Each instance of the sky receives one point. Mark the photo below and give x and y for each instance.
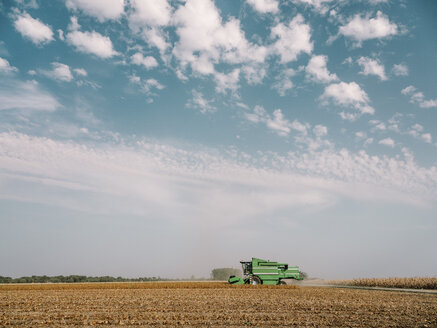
(168, 137)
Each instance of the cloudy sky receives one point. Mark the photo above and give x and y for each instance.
(166, 137)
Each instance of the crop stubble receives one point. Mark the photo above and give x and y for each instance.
(209, 304)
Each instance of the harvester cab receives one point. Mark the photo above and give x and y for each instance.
(258, 271)
(247, 267)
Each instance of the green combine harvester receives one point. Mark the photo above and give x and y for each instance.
(262, 272)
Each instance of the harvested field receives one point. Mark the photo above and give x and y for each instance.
(413, 283)
(209, 304)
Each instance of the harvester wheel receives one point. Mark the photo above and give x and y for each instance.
(256, 280)
(282, 282)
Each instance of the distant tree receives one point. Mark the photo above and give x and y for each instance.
(224, 273)
(5, 280)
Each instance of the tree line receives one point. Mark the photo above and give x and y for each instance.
(73, 278)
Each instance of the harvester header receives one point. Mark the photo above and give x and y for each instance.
(265, 272)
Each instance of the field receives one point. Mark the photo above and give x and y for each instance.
(412, 283)
(209, 305)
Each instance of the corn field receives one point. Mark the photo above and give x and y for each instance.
(412, 283)
(207, 304)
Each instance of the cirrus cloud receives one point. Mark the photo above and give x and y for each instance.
(26, 95)
(157, 179)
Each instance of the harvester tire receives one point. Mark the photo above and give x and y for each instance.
(282, 282)
(256, 280)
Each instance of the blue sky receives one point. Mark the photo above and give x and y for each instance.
(194, 134)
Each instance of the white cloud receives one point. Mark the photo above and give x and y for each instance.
(254, 73)
(320, 6)
(226, 82)
(413, 133)
(387, 142)
(74, 24)
(91, 43)
(317, 71)
(5, 67)
(301, 127)
(401, 124)
(381, 126)
(33, 29)
(408, 90)
(27, 3)
(348, 95)
(264, 6)
(102, 9)
(152, 83)
(360, 135)
(292, 39)
(156, 38)
(348, 61)
(320, 130)
(365, 28)
(276, 122)
(148, 86)
(198, 101)
(378, 125)
(60, 72)
(25, 96)
(368, 141)
(134, 79)
(279, 123)
(204, 40)
(432, 103)
(418, 97)
(283, 81)
(427, 137)
(372, 67)
(400, 70)
(148, 61)
(259, 115)
(148, 19)
(417, 127)
(416, 132)
(61, 35)
(149, 13)
(160, 180)
(80, 71)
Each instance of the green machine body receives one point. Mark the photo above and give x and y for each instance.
(259, 271)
